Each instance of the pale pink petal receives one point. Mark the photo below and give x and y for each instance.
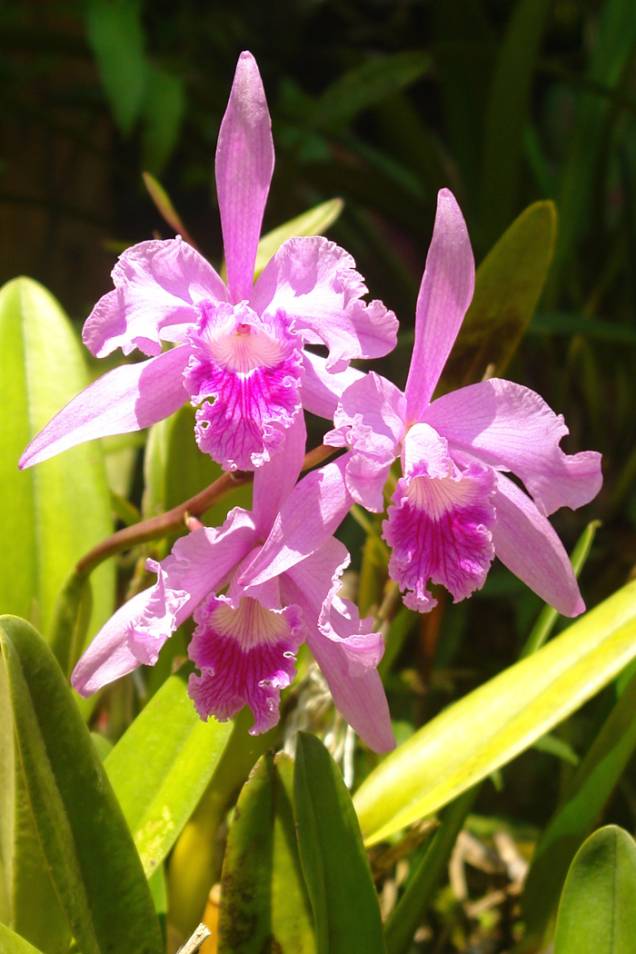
(322, 388)
(314, 281)
(275, 480)
(509, 426)
(246, 654)
(527, 544)
(158, 285)
(251, 367)
(244, 167)
(126, 399)
(309, 516)
(109, 656)
(369, 420)
(445, 294)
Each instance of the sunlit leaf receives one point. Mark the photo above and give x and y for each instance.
(163, 203)
(493, 724)
(597, 910)
(334, 863)
(115, 35)
(61, 508)
(12, 943)
(87, 847)
(161, 766)
(314, 221)
(264, 903)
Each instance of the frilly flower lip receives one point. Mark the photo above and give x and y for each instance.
(444, 524)
(166, 293)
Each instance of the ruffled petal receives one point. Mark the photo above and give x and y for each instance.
(126, 399)
(246, 654)
(252, 367)
(528, 545)
(445, 294)
(315, 282)
(322, 389)
(157, 287)
(244, 167)
(370, 420)
(509, 426)
(439, 524)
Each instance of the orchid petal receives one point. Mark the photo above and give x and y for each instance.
(315, 282)
(444, 296)
(126, 399)
(322, 388)
(309, 516)
(157, 286)
(509, 426)
(244, 167)
(275, 480)
(528, 545)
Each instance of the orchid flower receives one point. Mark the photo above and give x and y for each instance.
(455, 508)
(239, 350)
(246, 639)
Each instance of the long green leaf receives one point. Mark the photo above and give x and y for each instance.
(509, 282)
(86, 844)
(115, 35)
(12, 943)
(161, 766)
(597, 911)
(492, 725)
(335, 866)
(61, 508)
(582, 803)
(264, 903)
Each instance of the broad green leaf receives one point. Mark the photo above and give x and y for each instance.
(586, 794)
(12, 943)
(314, 221)
(87, 846)
(597, 911)
(175, 469)
(264, 903)
(507, 115)
(162, 114)
(115, 35)
(61, 508)
(492, 725)
(508, 284)
(343, 899)
(161, 766)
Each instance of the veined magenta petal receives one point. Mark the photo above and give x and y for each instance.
(528, 545)
(445, 294)
(275, 480)
(125, 399)
(322, 388)
(510, 426)
(308, 517)
(109, 656)
(244, 167)
(315, 282)
(157, 287)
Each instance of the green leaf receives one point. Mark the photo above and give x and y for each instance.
(314, 221)
(162, 115)
(335, 866)
(587, 792)
(115, 35)
(161, 766)
(84, 839)
(264, 903)
(507, 115)
(71, 621)
(12, 943)
(163, 203)
(508, 284)
(492, 725)
(597, 910)
(61, 508)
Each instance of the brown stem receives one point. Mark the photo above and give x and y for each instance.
(163, 524)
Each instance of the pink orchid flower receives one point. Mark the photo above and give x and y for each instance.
(245, 640)
(239, 350)
(454, 508)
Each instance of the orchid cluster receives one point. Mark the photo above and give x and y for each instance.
(241, 353)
